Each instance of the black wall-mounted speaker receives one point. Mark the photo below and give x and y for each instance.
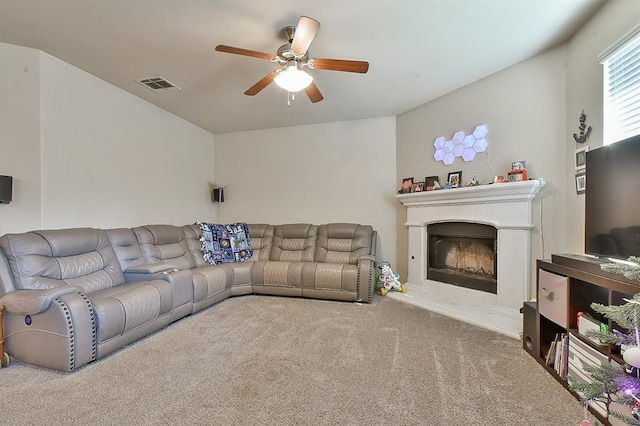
(217, 195)
(529, 332)
(6, 189)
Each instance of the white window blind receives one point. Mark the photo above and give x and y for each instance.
(622, 88)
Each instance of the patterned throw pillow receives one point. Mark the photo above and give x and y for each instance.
(225, 243)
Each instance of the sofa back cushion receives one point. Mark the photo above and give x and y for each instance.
(81, 257)
(343, 242)
(294, 242)
(166, 244)
(261, 240)
(7, 284)
(126, 246)
(192, 234)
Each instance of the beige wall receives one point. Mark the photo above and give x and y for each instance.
(523, 106)
(111, 159)
(86, 153)
(584, 92)
(333, 172)
(532, 110)
(20, 136)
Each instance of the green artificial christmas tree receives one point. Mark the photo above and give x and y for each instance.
(630, 269)
(611, 382)
(604, 387)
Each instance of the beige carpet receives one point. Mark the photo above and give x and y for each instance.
(277, 361)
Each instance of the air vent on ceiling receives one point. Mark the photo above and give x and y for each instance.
(157, 83)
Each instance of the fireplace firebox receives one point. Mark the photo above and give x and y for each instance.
(463, 254)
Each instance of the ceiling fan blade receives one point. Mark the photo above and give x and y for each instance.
(340, 65)
(266, 80)
(304, 34)
(244, 52)
(313, 93)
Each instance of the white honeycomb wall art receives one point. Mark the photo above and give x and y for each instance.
(461, 145)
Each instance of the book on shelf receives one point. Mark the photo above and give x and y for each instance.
(550, 356)
(558, 355)
(565, 357)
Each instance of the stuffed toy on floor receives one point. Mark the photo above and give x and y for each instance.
(388, 280)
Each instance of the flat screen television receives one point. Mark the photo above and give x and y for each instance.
(612, 200)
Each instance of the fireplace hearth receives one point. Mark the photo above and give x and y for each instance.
(463, 254)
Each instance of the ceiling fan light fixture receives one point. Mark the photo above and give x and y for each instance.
(293, 58)
(293, 79)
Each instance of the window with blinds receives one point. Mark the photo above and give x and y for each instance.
(622, 88)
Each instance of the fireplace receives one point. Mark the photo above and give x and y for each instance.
(505, 213)
(463, 254)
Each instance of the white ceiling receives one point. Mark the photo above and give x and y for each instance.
(418, 50)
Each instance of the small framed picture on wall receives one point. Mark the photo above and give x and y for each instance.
(581, 182)
(581, 157)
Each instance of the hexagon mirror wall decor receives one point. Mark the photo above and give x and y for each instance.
(461, 145)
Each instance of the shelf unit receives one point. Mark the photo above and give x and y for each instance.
(587, 283)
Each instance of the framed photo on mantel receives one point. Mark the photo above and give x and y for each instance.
(454, 179)
(407, 185)
(429, 182)
(517, 175)
(417, 187)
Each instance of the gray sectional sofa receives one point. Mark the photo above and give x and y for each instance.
(73, 296)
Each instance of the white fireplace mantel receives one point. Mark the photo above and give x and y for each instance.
(507, 207)
(482, 194)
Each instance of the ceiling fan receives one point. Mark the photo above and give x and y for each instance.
(293, 58)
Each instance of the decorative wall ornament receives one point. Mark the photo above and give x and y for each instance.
(582, 138)
(461, 145)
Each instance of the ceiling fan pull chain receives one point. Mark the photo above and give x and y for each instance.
(291, 96)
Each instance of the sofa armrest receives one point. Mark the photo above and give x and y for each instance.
(374, 242)
(181, 281)
(366, 277)
(169, 275)
(62, 336)
(150, 268)
(31, 302)
(367, 257)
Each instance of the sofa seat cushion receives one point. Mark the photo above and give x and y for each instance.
(335, 276)
(277, 273)
(123, 308)
(242, 273)
(311, 275)
(209, 280)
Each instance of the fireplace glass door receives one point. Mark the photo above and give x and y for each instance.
(463, 254)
